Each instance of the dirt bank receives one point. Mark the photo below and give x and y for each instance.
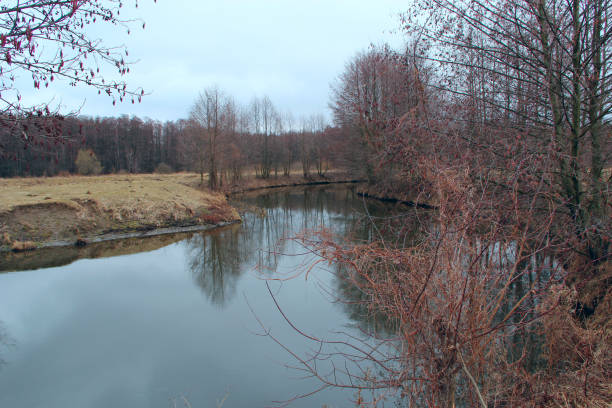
(40, 211)
(79, 210)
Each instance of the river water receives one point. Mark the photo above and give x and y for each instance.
(182, 320)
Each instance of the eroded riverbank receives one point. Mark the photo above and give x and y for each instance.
(65, 211)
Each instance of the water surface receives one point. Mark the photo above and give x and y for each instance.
(145, 329)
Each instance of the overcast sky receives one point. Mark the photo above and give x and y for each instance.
(289, 50)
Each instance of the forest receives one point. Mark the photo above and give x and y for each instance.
(220, 139)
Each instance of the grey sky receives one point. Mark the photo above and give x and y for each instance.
(290, 50)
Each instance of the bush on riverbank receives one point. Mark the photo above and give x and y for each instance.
(484, 308)
(87, 163)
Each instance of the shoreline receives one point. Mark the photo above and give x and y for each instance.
(82, 222)
(297, 184)
(116, 236)
(78, 210)
(204, 218)
(388, 199)
(249, 184)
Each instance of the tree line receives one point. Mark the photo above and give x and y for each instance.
(226, 138)
(220, 139)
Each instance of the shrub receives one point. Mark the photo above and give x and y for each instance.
(163, 168)
(87, 163)
(19, 246)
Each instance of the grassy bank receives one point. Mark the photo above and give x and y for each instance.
(296, 178)
(43, 210)
(40, 211)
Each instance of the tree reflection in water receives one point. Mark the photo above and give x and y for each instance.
(361, 221)
(215, 263)
(217, 260)
(399, 225)
(5, 342)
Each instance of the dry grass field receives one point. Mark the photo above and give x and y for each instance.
(40, 210)
(67, 208)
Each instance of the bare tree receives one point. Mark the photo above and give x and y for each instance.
(49, 41)
(369, 98)
(537, 76)
(207, 114)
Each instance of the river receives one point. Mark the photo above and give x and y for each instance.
(158, 322)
